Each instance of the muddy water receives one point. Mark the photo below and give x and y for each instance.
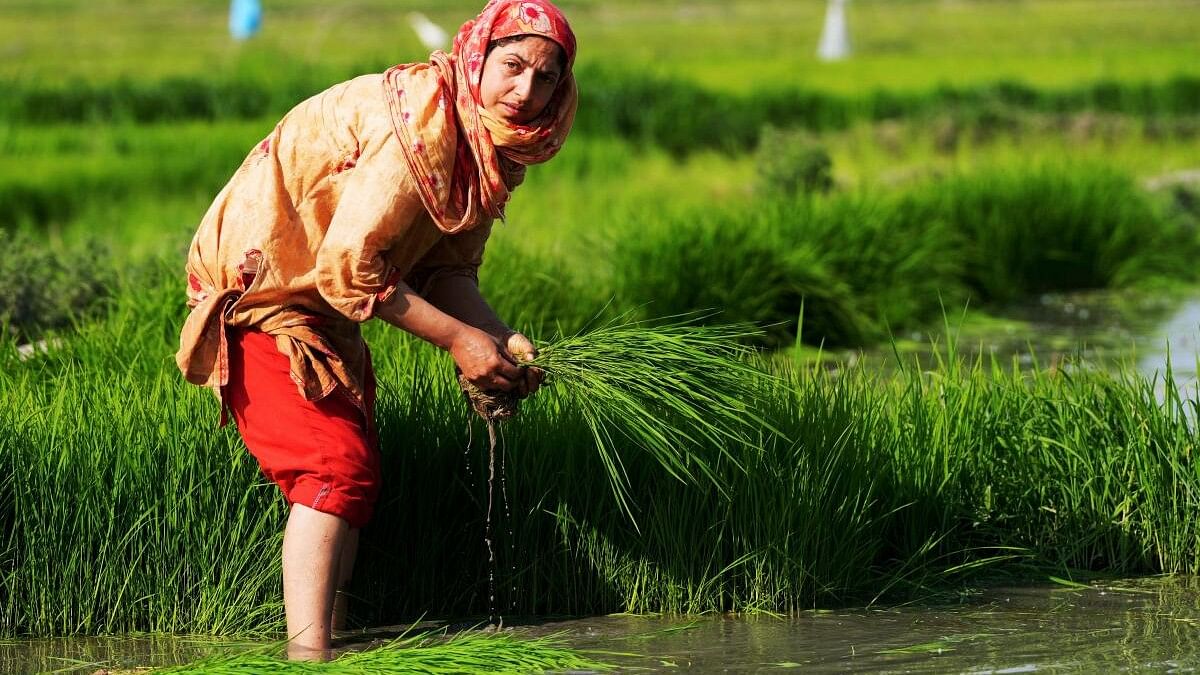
(1134, 624)
(1146, 331)
(87, 655)
(1104, 328)
(1149, 624)
(1142, 624)
(1176, 340)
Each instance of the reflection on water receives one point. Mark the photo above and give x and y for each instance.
(1140, 624)
(1103, 328)
(1137, 624)
(87, 655)
(1177, 340)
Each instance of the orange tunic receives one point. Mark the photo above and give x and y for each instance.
(310, 235)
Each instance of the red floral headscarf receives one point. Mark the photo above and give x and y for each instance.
(466, 163)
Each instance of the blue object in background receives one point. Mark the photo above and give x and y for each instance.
(245, 18)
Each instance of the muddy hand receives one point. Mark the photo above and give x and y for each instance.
(521, 348)
(486, 363)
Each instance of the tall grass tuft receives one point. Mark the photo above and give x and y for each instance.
(866, 265)
(1054, 228)
(44, 287)
(666, 389)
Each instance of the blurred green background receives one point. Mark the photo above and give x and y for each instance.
(727, 46)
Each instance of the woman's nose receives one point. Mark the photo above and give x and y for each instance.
(523, 86)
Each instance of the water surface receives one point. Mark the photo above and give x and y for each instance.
(1104, 328)
(1148, 624)
(1135, 624)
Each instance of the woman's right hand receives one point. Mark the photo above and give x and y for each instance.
(484, 361)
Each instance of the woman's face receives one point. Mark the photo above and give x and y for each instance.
(519, 78)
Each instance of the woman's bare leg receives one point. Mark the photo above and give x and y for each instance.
(345, 573)
(312, 550)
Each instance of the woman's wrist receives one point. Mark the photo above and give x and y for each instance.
(465, 335)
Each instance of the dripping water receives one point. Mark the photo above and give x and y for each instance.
(493, 619)
(512, 538)
(467, 456)
(472, 491)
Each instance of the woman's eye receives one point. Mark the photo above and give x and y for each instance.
(512, 66)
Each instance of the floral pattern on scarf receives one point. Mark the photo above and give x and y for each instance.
(465, 160)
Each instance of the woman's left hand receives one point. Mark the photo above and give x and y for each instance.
(521, 348)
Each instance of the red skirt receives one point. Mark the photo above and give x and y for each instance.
(322, 454)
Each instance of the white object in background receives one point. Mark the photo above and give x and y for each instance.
(429, 33)
(28, 351)
(835, 35)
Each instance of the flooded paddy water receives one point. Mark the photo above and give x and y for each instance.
(1131, 624)
(1086, 328)
(1135, 624)
(90, 654)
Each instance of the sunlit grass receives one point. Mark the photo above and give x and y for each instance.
(666, 388)
(827, 489)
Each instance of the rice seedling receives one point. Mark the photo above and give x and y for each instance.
(468, 652)
(1053, 227)
(666, 388)
(865, 265)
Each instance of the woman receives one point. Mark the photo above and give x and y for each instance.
(372, 199)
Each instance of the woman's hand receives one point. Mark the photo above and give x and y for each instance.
(486, 362)
(521, 349)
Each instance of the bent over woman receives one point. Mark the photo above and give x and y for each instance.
(372, 199)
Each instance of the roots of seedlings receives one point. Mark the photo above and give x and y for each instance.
(493, 406)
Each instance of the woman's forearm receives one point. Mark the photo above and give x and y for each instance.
(409, 311)
(481, 356)
(459, 297)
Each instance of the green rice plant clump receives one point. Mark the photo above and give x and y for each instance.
(792, 163)
(666, 388)
(45, 287)
(1053, 228)
(864, 266)
(423, 653)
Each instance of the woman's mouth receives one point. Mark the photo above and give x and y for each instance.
(512, 110)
